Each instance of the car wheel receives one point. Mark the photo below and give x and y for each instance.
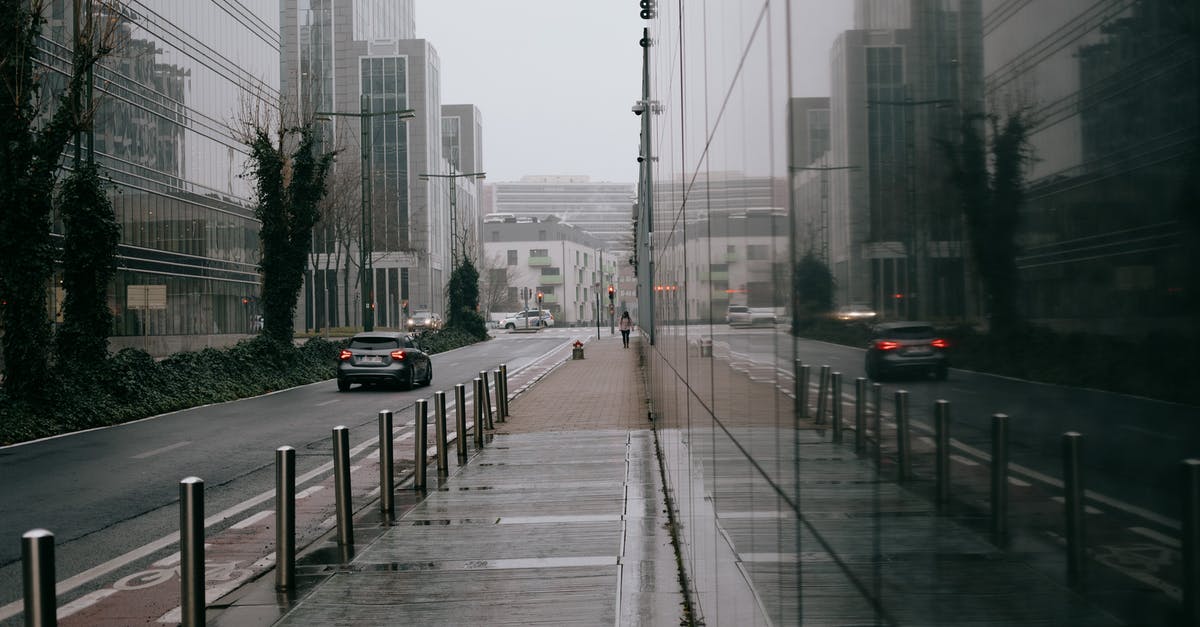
(428, 375)
(873, 371)
(343, 385)
(510, 326)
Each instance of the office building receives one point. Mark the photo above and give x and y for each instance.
(597, 207)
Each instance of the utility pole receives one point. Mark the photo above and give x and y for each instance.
(366, 238)
(454, 234)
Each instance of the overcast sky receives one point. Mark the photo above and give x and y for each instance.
(555, 80)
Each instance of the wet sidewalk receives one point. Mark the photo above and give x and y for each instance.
(559, 520)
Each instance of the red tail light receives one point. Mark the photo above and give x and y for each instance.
(344, 355)
(940, 343)
(398, 355)
(886, 345)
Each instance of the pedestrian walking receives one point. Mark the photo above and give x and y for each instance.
(626, 327)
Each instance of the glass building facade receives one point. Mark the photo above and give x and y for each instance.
(726, 212)
(166, 109)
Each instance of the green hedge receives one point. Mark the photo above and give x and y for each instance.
(132, 385)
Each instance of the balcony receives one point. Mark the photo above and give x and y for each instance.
(535, 262)
(549, 298)
(551, 279)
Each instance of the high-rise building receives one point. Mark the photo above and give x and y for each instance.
(355, 67)
(462, 150)
(187, 274)
(597, 207)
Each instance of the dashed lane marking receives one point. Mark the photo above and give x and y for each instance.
(159, 451)
(252, 519)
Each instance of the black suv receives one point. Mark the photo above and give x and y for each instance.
(906, 347)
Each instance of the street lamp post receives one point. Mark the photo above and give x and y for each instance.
(453, 176)
(366, 238)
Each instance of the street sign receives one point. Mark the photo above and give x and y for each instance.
(146, 296)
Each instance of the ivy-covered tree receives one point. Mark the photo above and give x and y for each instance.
(464, 300)
(91, 235)
(289, 188)
(33, 135)
(992, 199)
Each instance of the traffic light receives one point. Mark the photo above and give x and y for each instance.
(539, 296)
(610, 294)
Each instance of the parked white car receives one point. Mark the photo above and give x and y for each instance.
(530, 318)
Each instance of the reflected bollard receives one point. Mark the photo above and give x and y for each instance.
(460, 421)
(285, 518)
(860, 414)
(836, 393)
(387, 481)
(439, 433)
(191, 551)
(341, 485)
(1191, 541)
(802, 391)
(504, 390)
(486, 399)
(822, 395)
(37, 568)
(877, 422)
(903, 444)
(478, 415)
(421, 442)
(999, 493)
(941, 428)
(1072, 450)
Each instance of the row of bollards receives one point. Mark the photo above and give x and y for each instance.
(37, 545)
(1073, 480)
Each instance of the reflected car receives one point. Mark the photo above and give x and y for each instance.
(855, 313)
(912, 347)
(383, 358)
(741, 315)
(424, 321)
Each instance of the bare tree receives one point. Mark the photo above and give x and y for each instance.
(496, 279)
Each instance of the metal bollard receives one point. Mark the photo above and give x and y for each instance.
(999, 494)
(439, 433)
(877, 421)
(802, 390)
(822, 394)
(479, 440)
(460, 421)
(37, 567)
(499, 392)
(1072, 449)
(1191, 541)
(860, 414)
(504, 389)
(387, 480)
(341, 485)
(285, 518)
(487, 399)
(421, 442)
(903, 444)
(191, 551)
(941, 426)
(836, 386)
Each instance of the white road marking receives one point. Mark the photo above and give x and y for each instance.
(328, 402)
(1087, 508)
(1154, 535)
(307, 492)
(252, 519)
(159, 451)
(1017, 482)
(84, 602)
(964, 460)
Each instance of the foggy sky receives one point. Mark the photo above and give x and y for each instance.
(554, 81)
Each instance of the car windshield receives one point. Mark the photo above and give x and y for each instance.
(738, 309)
(374, 343)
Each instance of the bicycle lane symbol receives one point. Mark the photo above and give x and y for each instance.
(213, 572)
(1142, 562)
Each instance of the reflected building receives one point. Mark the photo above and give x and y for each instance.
(163, 136)
(1107, 226)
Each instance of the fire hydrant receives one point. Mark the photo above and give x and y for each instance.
(577, 350)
